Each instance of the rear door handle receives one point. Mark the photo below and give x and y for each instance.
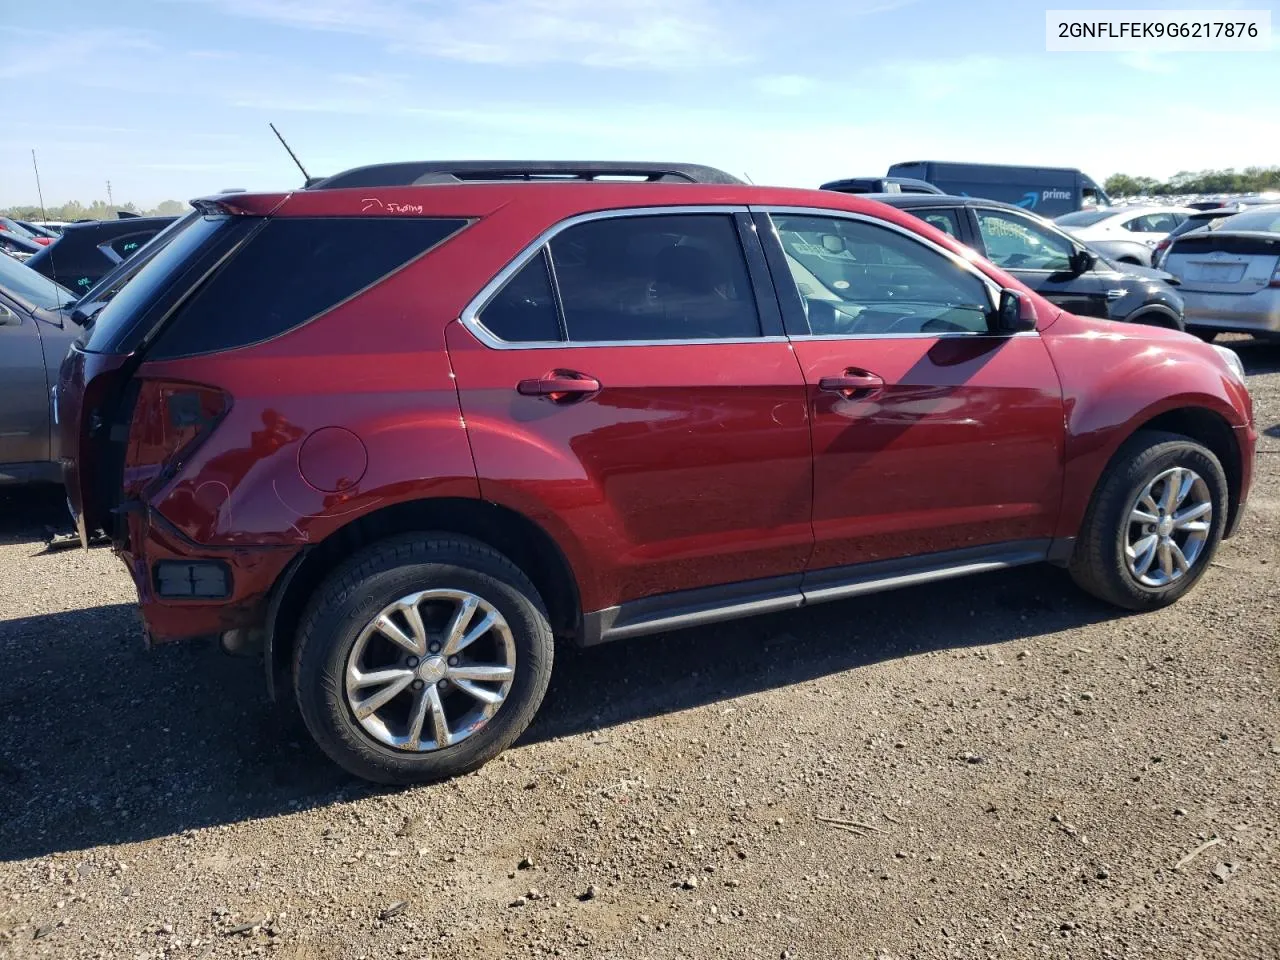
(559, 386)
(852, 383)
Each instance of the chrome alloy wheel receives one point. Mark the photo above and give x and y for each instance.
(430, 670)
(1168, 527)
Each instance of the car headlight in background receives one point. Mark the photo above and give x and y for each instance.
(1232, 360)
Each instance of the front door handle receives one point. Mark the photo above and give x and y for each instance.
(852, 383)
(559, 386)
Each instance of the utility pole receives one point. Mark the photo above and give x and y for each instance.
(110, 202)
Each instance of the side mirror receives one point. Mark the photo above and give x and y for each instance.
(1015, 314)
(1082, 261)
(8, 318)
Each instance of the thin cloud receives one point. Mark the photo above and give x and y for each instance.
(649, 34)
(785, 85)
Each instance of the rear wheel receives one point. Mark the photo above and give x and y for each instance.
(422, 658)
(1157, 319)
(1155, 522)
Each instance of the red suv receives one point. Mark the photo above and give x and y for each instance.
(409, 425)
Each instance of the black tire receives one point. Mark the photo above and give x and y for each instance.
(375, 577)
(1208, 336)
(1098, 562)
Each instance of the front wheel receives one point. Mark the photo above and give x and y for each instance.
(1155, 522)
(421, 658)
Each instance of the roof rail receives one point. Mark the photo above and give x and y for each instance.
(418, 173)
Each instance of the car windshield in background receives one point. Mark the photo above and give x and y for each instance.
(1084, 218)
(110, 284)
(33, 289)
(129, 293)
(1266, 220)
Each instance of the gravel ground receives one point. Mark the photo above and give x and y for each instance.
(1033, 774)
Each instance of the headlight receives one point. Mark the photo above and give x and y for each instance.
(1232, 360)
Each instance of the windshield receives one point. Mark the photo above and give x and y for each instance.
(34, 289)
(1083, 218)
(130, 293)
(1266, 220)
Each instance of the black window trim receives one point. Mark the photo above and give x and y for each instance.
(978, 210)
(789, 297)
(470, 316)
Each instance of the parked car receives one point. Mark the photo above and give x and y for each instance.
(404, 436)
(34, 336)
(17, 246)
(1061, 268)
(1230, 273)
(1049, 191)
(39, 230)
(87, 251)
(1127, 234)
(9, 225)
(1194, 221)
(880, 185)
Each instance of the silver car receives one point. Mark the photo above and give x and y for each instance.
(1124, 234)
(1230, 274)
(34, 337)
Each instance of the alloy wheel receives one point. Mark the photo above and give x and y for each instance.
(1168, 527)
(430, 670)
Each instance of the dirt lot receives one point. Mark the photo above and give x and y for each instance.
(1031, 768)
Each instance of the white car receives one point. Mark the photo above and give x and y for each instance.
(1124, 234)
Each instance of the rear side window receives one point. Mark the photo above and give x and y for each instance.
(524, 310)
(126, 246)
(945, 220)
(290, 271)
(647, 278)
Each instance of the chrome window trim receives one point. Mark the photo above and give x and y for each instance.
(992, 288)
(943, 335)
(470, 316)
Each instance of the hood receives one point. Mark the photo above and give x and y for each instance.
(1144, 273)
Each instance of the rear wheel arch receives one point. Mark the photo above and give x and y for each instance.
(519, 539)
(1156, 315)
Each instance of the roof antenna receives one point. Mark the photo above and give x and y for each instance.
(306, 177)
(748, 176)
(39, 191)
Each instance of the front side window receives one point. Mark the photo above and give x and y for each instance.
(1018, 243)
(857, 278)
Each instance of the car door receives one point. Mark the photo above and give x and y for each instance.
(931, 435)
(1041, 257)
(24, 390)
(624, 386)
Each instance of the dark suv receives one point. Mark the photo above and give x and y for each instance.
(1052, 263)
(408, 426)
(88, 251)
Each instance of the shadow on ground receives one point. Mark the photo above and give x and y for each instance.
(103, 742)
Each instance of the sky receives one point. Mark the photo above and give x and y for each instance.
(170, 99)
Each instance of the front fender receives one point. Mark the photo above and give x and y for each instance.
(1115, 379)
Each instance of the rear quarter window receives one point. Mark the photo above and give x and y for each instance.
(290, 271)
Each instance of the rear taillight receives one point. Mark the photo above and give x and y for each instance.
(170, 420)
(1160, 248)
(1275, 276)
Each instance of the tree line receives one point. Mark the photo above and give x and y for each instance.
(1248, 180)
(98, 210)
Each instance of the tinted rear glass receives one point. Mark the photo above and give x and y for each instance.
(290, 271)
(1266, 220)
(117, 320)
